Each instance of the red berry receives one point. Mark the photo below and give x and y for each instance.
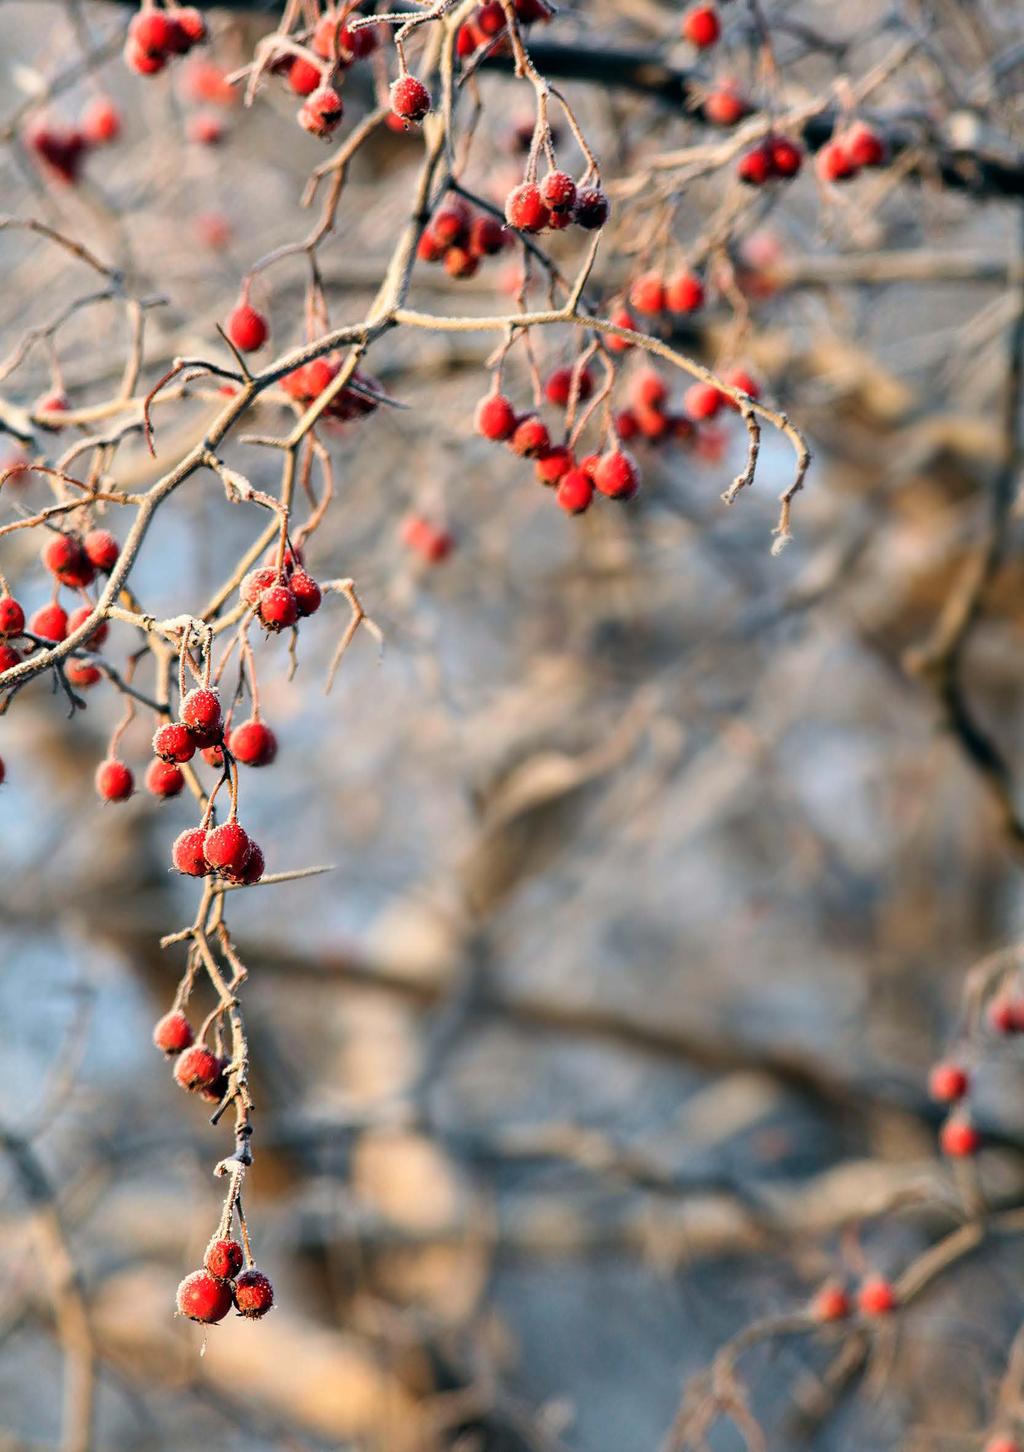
(531, 436)
(101, 121)
(114, 780)
(701, 26)
(253, 743)
(197, 1069)
(702, 401)
(164, 778)
(622, 318)
(558, 191)
(143, 62)
(592, 209)
(306, 591)
(649, 389)
(876, 1297)
(12, 617)
(487, 237)
(80, 673)
(755, 166)
(467, 40)
(726, 106)
(553, 463)
(652, 423)
(200, 711)
(558, 388)
(152, 31)
(224, 1259)
(647, 294)
(187, 854)
(254, 1295)
(1002, 1444)
(616, 475)
(834, 163)
(495, 417)
(427, 540)
(173, 1033)
(303, 76)
(255, 582)
(739, 378)
(50, 621)
(8, 657)
(79, 617)
(575, 491)
(174, 742)
(684, 293)
(252, 868)
(191, 24)
(831, 1303)
(278, 607)
(786, 157)
(65, 558)
(359, 43)
(201, 1297)
(525, 209)
(627, 425)
(321, 111)
(247, 328)
(865, 146)
(226, 847)
(410, 98)
(490, 19)
(214, 756)
(450, 225)
(948, 1082)
(1006, 1015)
(101, 548)
(959, 1139)
(460, 262)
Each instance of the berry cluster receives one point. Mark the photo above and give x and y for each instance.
(876, 1296)
(158, 36)
(280, 598)
(426, 539)
(554, 203)
(207, 1295)
(654, 294)
(74, 561)
(460, 238)
(849, 152)
(62, 148)
(357, 399)
(776, 158)
(487, 25)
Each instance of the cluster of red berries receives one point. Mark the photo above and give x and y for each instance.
(654, 294)
(336, 46)
(354, 401)
(158, 36)
(849, 152)
(701, 26)
(612, 473)
(949, 1083)
(197, 1069)
(876, 1296)
(426, 539)
(554, 203)
(487, 25)
(279, 599)
(460, 238)
(74, 561)
(207, 1297)
(776, 158)
(62, 149)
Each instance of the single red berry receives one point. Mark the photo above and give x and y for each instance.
(755, 166)
(450, 225)
(197, 1069)
(278, 608)
(81, 673)
(410, 98)
(172, 1034)
(143, 62)
(460, 262)
(592, 209)
(702, 401)
(649, 389)
(256, 581)
(528, 11)
(114, 780)
(303, 76)
(959, 1139)
(622, 318)
(558, 191)
(627, 425)
(101, 121)
(487, 237)
(214, 756)
(247, 328)
(741, 379)
(359, 43)
(647, 294)
(575, 491)
(65, 558)
(327, 36)
(701, 26)
(254, 1295)
(12, 617)
(224, 1259)
(253, 743)
(201, 1297)
(525, 209)
(50, 621)
(79, 617)
(834, 162)
(164, 778)
(8, 656)
(490, 19)
(225, 847)
(786, 157)
(725, 106)
(652, 423)
(1006, 1015)
(495, 417)
(553, 463)
(321, 111)
(152, 31)
(948, 1082)
(306, 591)
(425, 539)
(200, 711)
(531, 437)
(191, 24)
(684, 293)
(1002, 1444)
(831, 1303)
(187, 854)
(467, 39)
(558, 388)
(616, 475)
(101, 548)
(252, 868)
(174, 742)
(876, 1296)
(205, 129)
(865, 146)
